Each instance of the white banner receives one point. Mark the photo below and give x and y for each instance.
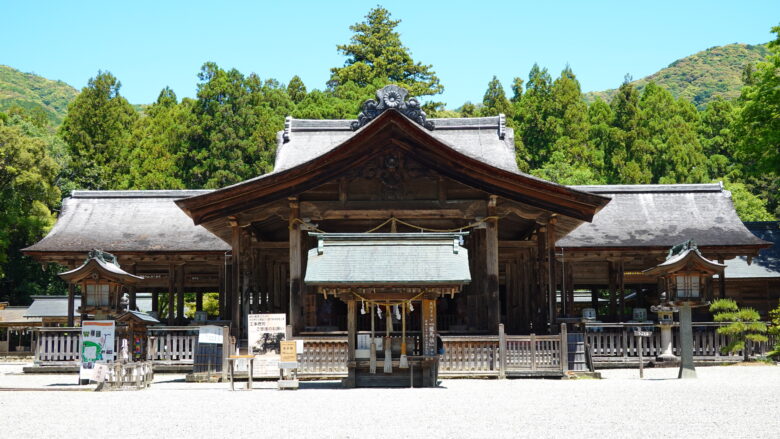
(97, 345)
(210, 334)
(264, 336)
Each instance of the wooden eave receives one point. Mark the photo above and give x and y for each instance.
(92, 267)
(391, 127)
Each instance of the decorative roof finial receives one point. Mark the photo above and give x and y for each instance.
(392, 96)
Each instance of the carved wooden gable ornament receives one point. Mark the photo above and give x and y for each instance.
(392, 97)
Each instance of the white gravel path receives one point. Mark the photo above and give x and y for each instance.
(728, 402)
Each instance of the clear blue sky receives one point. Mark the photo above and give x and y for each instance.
(149, 45)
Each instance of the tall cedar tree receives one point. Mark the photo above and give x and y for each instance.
(375, 53)
(97, 129)
(533, 117)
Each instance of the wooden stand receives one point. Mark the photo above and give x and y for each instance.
(232, 366)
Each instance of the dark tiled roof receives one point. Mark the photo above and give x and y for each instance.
(662, 216)
(483, 138)
(123, 221)
(767, 264)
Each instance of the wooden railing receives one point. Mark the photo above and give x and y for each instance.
(616, 340)
(167, 344)
(57, 346)
(172, 344)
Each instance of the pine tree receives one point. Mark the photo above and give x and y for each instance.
(375, 53)
(745, 326)
(717, 139)
(296, 89)
(533, 115)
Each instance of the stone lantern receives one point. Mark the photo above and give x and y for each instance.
(684, 274)
(101, 281)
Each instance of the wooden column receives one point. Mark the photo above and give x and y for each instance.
(491, 269)
(352, 329)
(721, 282)
(540, 296)
(296, 281)
(71, 304)
(235, 278)
(180, 294)
(132, 292)
(156, 302)
(223, 290)
(171, 293)
(612, 291)
(594, 300)
(429, 339)
(622, 288)
(551, 273)
(199, 301)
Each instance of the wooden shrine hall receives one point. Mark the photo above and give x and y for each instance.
(394, 175)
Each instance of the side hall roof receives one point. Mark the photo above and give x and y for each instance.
(126, 221)
(661, 216)
(767, 263)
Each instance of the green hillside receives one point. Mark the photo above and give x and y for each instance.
(703, 76)
(31, 91)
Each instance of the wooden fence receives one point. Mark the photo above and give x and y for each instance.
(613, 341)
(167, 345)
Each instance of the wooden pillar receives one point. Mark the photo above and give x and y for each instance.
(223, 290)
(622, 288)
(491, 269)
(199, 301)
(296, 278)
(156, 302)
(234, 309)
(722, 282)
(180, 294)
(570, 286)
(551, 273)
(71, 304)
(352, 329)
(594, 300)
(132, 292)
(612, 291)
(171, 293)
(540, 296)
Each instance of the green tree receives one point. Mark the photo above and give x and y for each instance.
(27, 196)
(96, 129)
(296, 89)
(619, 154)
(717, 138)
(375, 52)
(774, 329)
(749, 207)
(745, 326)
(210, 305)
(159, 140)
(234, 133)
(533, 117)
(495, 102)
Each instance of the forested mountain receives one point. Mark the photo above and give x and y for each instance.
(702, 77)
(35, 93)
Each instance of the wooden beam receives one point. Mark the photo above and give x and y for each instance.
(71, 304)
(612, 291)
(180, 294)
(171, 293)
(296, 278)
(551, 273)
(352, 329)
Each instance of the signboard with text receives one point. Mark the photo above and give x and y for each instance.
(97, 345)
(264, 337)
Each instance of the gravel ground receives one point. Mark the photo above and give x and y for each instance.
(733, 402)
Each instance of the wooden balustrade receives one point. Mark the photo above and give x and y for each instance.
(172, 344)
(57, 346)
(616, 340)
(324, 357)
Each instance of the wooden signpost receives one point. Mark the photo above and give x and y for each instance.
(288, 365)
(639, 334)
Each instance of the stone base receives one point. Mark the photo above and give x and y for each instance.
(668, 359)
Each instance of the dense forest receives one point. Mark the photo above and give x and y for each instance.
(227, 133)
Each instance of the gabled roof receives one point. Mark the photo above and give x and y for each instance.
(100, 267)
(15, 315)
(660, 216)
(126, 221)
(688, 259)
(388, 259)
(300, 170)
(767, 263)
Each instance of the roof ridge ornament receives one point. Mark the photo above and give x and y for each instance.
(392, 96)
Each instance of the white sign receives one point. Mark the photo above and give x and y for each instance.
(643, 333)
(265, 333)
(97, 345)
(210, 334)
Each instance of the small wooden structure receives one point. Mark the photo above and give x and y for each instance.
(388, 273)
(101, 282)
(134, 327)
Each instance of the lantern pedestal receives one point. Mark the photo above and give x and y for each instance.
(687, 369)
(665, 322)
